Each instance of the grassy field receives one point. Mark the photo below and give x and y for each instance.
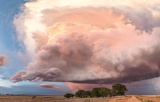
(137, 98)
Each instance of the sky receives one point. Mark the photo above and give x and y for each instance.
(51, 47)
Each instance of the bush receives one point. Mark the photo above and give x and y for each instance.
(33, 97)
(100, 92)
(69, 95)
(81, 94)
(104, 92)
(95, 92)
(88, 93)
(112, 93)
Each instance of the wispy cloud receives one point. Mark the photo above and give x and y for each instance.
(3, 60)
(48, 86)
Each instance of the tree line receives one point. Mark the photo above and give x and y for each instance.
(117, 90)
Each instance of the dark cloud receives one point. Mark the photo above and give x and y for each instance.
(48, 86)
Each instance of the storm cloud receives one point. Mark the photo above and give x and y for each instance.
(89, 42)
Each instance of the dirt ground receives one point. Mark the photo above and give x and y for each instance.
(136, 98)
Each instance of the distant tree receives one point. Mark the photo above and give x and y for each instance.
(119, 89)
(112, 93)
(100, 92)
(69, 95)
(88, 93)
(95, 92)
(81, 94)
(104, 92)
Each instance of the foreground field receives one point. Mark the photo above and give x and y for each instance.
(62, 99)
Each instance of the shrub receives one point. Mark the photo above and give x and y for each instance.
(81, 94)
(69, 95)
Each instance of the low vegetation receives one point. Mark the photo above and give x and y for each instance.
(69, 95)
(141, 99)
(117, 90)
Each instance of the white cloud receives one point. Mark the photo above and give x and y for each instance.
(7, 83)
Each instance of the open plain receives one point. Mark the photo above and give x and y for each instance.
(129, 98)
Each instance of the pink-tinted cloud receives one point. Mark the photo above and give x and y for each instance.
(48, 86)
(89, 44)
(3, 60)
(84, 86)
(75, 86)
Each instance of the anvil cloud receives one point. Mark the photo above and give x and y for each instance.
(88, 41)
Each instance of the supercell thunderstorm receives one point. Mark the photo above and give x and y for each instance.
(89, 42)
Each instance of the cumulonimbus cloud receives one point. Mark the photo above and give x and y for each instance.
(90, 42)
(3, 60)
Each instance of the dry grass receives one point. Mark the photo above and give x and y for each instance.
(62, 99)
